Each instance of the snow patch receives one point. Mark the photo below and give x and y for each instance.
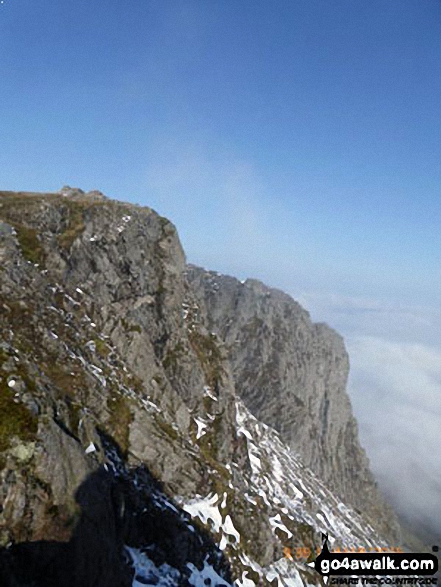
(244, 431)
(276, 522)
(228, 528)
(91, 448)
(206, 510)
(206, 576)
(208, 392)
(244, 581)
(147, 573)
(201, 428)
(256, 463)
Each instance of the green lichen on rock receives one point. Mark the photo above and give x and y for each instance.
(15, 419)
(23, 452)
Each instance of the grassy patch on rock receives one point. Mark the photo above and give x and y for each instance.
(120, 419)
(30, 244)
(75, 225)
(130, 326)
(209, 355)
(102, 347)
(15, 419)
(172, 356)
(166, 428)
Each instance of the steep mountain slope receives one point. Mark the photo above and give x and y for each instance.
(292, 374)
(126, 453)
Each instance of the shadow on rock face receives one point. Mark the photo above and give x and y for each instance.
(119, 508)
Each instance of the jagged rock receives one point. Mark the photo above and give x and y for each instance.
(112, 344)
(292, 374)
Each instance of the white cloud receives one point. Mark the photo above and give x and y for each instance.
(216, 199)
(395, 387)
(367, 316)
(396, 395)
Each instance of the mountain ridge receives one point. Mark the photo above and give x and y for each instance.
(106, 335)
(298, 365)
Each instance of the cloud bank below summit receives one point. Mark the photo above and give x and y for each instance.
(395, 388)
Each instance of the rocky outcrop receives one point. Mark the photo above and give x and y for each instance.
(92, 299)
(291, 374)
(120, 510)
(108, 341)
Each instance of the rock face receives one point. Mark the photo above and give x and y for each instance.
(121, 368)
(291, 374)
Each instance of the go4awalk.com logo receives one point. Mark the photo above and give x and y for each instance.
(376, 565)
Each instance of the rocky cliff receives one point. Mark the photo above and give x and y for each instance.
(291, 373)
(130, 452)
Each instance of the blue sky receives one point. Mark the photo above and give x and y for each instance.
(320, 117)
(297, 141)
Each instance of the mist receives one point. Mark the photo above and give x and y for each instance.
(395, 389)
